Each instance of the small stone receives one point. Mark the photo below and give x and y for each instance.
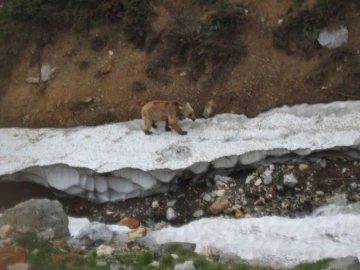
(32, 80)
(137, 233)
(198, 213)
(183, 74)
(107, 70)
(46, 235)
(339, 199)
(220, 193)
(237, 212)
(187, 265)
(155, 264)
(322, 163)
(170, 214)
(250, 178)
(280, 21)
(101, 263)
(344, 170)
(320, 193)
(241, 191)
(174, 256)
(219, 206)
(207, 197)
(86, 100)
(171, 203)
(262, 19)
(267, 177)
(155, 204)
(74, 243)
(353, 185)
(279, 188)
(131, 223)
(258, 182)
(104, 250)
(116, 267)
(303, 167)
(285, 204)
(6, 231)
(290, 180)
(258, 202)
(111, 53)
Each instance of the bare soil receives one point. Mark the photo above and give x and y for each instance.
(79, 93)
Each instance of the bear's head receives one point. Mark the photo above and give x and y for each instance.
(187, 112)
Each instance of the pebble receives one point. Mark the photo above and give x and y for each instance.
(320, 193)
(170, 214)
(303, 167)
(290, 180)
(198, 213)
(182, 74)
(171, 203)
(187, 265)
(241, 191)
(344, 170)
(280, 21)
(258, 182)
(101, 263)
(104, 250)
(353, 185)
(207, 197)
(155, 204)
(220, 193)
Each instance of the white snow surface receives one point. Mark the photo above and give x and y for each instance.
(112, 147)
(276, 241)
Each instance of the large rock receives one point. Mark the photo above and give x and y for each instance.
(39, 214)
(333, 37)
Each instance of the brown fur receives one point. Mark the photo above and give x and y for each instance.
(169, 111)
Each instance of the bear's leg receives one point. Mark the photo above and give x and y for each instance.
(146, 126)
(174, 123)
(167, 127)
(153, 124)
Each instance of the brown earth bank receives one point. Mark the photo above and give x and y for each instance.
(232, 52)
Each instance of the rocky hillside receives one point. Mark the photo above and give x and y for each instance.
(88, 62)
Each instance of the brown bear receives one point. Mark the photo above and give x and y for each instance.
(169, 111)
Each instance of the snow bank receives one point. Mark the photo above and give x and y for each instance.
(276, 241)
(74, 160)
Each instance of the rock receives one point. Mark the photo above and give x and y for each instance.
(280, 21)
(303, 167)
(18, 266)
(32, 80)
(320, 193)
(198, 213)
(220, 193)
(290, 180)
(75, 244)
(219, 206)
(137, 233)
(207, 113)
(183, 74)
(46, 235)
(11, 255)
(258, 182)
(207, 197)
(267, 176)
(170, 214)
(120, 240)
(344, 170)
(155, 264)
(96, 232)
(250, 178)
(46, 72)
(161, 250)
(231, 258)
(347, 263)
(6, 231)
(241, 191)
(104, 250)
(101, 263)
(174, 256)
(171, 203)
(107, 70)
(131, 223)
(334, 37)
(187, 265)
(111, 53)
(322, 163)
(86, 100)
(155, 204)
(338, 199)
(353, 186)
(38, 214)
